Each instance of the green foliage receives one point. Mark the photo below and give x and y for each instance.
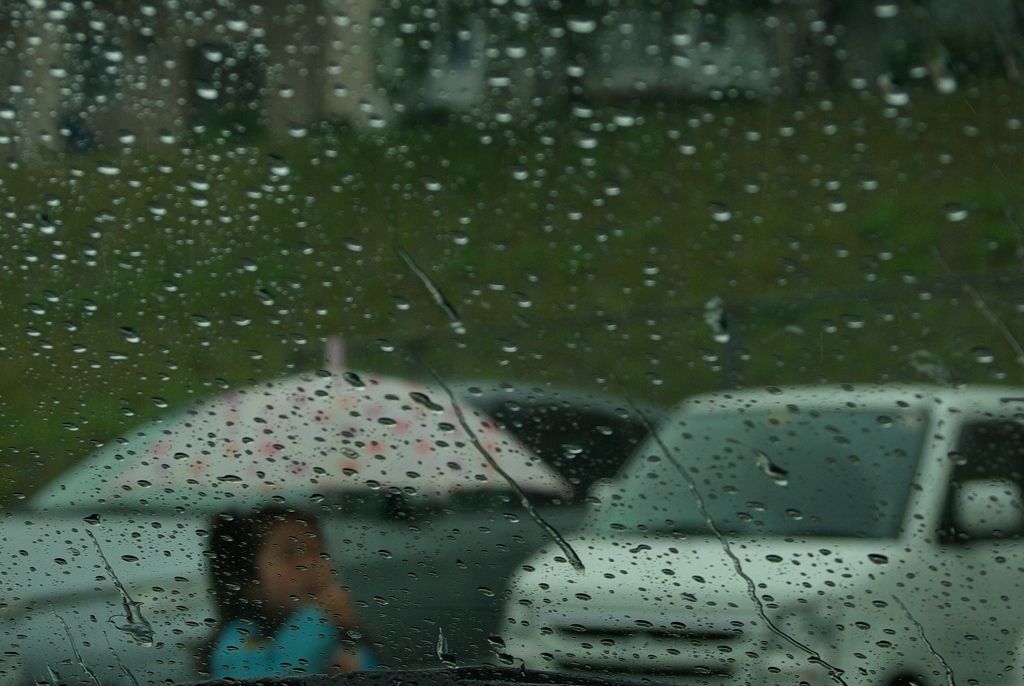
(568, 263)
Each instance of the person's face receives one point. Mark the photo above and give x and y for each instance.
(289, 565)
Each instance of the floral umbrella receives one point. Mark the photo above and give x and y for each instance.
(303, 437)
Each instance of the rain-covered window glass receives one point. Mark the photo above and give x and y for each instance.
(779, 474)
(678, 339)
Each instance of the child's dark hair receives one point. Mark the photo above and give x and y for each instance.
(235, 540)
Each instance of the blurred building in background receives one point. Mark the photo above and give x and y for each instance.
(76, 75)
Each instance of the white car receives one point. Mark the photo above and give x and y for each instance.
(859, 535)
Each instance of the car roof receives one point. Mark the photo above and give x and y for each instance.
(852, 396)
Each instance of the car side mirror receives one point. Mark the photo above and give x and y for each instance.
(989, 509)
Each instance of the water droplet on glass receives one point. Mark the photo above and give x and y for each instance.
(957, 458)
(581, 25)
(773, 558)
(278, 165)
(424, 399)
(867, 183)
(130, 334)
(774, 472)
(983, 355)
(108, 168)
(897, 98)
(156, 209)
(237, 24)
(297, 130)
(213, 53)
(878, 558)
(887, 10)
(835, 203)
(432, 184)
(206, 91)
(92, 520)
(719, 212)
(955, 212)
(520, 174)
(353, 380)
(586, 141)
(352, 244)
(624, 120)
(516, 52)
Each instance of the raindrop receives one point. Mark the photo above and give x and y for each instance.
(424, 399)
(854, 321)
(581, 25)
(955, 212)
(278, 165)
(159, 402)
(835, 203)
(774, 472)
(897, 98)
(206, 91)
(129, 558)
(213, 53)
(795, 514)
(515, 51)
(520, 174)
(878, 558)
(460, 237)
(156, 209)
(92, 520)
(624, 120)
(432, 184)
(237, 24)
(199, 183)
(352, 244)
(983, 355)
(297, 130)
(586, 141)
(957, 458)
(130, 334)
(353, 379)
(887, 10)
(108, 168)
(773, 558)
(201, 321)
(719, 212)
(867, 183)
(125, 137)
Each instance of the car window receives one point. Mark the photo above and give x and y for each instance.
(777, 473)
(501, 309)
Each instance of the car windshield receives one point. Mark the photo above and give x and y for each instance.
(334, 333)
(783, 473)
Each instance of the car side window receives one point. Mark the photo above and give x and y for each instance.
(986, 482)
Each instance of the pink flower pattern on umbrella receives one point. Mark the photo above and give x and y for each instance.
(268, 440)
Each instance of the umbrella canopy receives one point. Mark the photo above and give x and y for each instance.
(302, 437)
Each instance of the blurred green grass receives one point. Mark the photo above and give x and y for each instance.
(573, 256)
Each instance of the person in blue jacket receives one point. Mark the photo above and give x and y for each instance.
(281, 610)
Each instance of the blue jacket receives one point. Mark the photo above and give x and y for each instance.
(305, 644)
